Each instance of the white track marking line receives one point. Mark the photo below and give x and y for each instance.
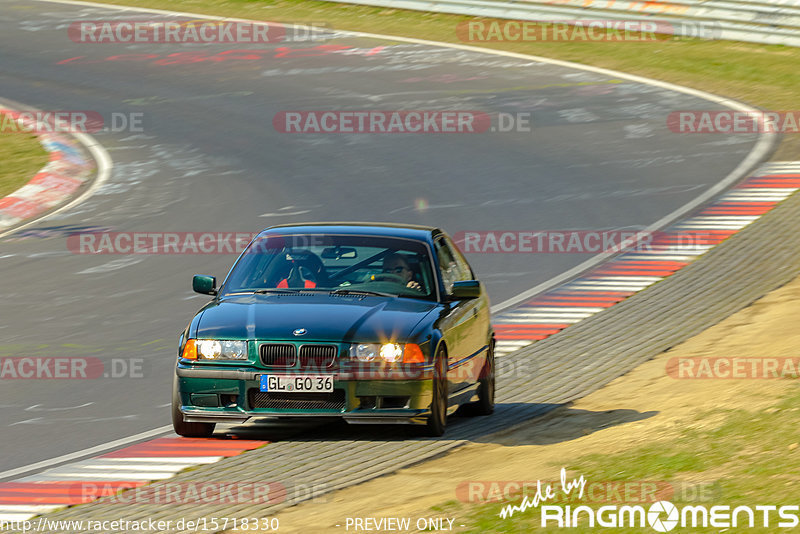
(536, 317)
(544, 320)
(755, 198)
(712, 226)
(611, 287)
(694, 250)
(164, 459)
(725, 218)
(13, 512)
(559, 309)
(126, 470)
(29, 507)
(79, 475)
(87, 452)
(589, 288)
(658, 256)
(126, 467)
(599, 283)
(763, 192)
(565, 311)
(16, 517)
(786, 190)
(622, 278)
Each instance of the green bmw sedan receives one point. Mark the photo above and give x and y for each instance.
(368, 322)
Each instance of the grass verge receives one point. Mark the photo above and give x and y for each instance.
(733, 463)
(765, 76)
(22, 158)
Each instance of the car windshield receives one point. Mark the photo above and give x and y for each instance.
(341, 263)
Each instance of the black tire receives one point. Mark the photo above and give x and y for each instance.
(181, 427)
(485, 403)
(437, 420)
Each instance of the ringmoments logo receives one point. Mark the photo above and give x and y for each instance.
(660, 516)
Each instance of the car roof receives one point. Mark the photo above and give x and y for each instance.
(409, 231)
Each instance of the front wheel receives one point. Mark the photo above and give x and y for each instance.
(181, 427)
(437, 420)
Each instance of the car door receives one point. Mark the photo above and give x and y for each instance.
(460, 321)
(479, 333)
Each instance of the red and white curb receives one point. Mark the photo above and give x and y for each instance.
(102, 476)
(69, 168)
(633, 271)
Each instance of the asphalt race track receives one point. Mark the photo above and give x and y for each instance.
(209, 159)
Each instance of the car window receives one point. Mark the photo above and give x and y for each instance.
(461, 262)
(450, 269)
(334, 262)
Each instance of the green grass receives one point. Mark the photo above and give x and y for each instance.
(765, 76)
(744, 458)
(22, 158)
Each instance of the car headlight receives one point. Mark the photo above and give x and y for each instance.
(387, 352)
(365, 352)
(213, 349)
(391, 352)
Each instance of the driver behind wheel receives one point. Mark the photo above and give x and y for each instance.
(397, 265)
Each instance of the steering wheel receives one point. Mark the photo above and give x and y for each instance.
(389, 277)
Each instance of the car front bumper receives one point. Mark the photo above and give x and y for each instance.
(364, 395)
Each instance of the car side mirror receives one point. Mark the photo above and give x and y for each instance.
(206, 285)
(466, 289)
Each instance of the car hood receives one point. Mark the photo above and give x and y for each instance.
(324, 317)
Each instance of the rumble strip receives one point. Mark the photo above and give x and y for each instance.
(68, 170)
(631, 272)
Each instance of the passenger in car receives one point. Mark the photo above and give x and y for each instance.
(306, 270)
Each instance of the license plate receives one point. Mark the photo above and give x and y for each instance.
(297, 383)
